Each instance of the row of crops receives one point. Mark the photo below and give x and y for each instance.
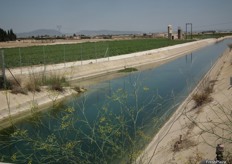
(52, 54)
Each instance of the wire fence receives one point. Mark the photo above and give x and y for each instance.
(36, 55)
(53, 54)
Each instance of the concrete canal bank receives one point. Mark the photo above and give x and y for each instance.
(22, 105)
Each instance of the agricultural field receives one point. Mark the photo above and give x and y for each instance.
(205, 36)
(53, 54)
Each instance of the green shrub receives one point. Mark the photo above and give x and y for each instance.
(128, 70)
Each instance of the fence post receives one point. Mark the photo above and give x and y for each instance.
(3, 69)
(43, 56)
(44, 60)
(20, 60)
(108, 51)
(95, 51)
(64, 56)
(81, 53)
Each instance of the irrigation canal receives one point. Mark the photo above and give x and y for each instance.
(112, 117)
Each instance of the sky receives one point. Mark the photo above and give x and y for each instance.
(118, 15)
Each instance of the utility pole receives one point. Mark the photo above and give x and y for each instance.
(59, 27)
(186, 34)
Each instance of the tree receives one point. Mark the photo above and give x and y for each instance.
(3, 35)
(8, 35)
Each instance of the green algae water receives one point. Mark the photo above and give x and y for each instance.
(113, 121)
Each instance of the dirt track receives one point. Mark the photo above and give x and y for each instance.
(32, 42)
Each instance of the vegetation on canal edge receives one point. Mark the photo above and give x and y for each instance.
(130, 69)
(53, 82)
(52, 54)
(203, 95)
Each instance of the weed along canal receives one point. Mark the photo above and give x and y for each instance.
(114, 120)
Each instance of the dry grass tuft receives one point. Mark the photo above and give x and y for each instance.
(183, 144)
(33, 86)
(20, 90)
(15, 86)
(53, 81)
(201, 98)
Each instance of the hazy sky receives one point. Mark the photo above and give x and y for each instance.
(120, 15)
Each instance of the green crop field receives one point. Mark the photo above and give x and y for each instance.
(205, 36)
(52, 54)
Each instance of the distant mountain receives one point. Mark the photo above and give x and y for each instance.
(106, 32)
(39, 32)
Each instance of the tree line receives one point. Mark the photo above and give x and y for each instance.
(8, 35)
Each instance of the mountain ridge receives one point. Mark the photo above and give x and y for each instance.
(39, 32)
